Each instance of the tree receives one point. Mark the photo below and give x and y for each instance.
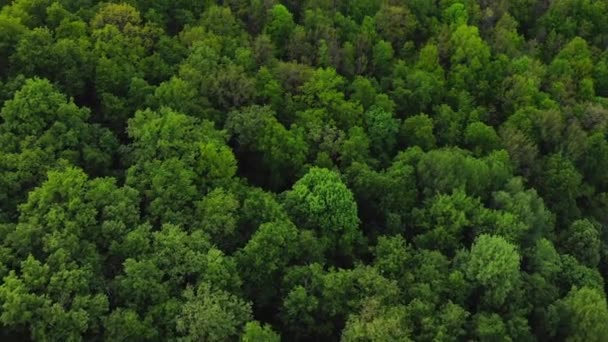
(418, 131)
(265, 257)
(470, 57)
(280, 25)
(160, 264)
(395, 24)
(522, 150)
(494, 265)
(449, 125)
(376, 322)
(443, 323)
(419, 88)
(490, 327)
(385, 198)
(529, 208)
(576, 274)
(217, 216)
(481, 138)
(119, 15)
(12, 28)
(382, 129)
(392, 254)
(141, 286)
(221, 21)
(545, 260)
(443, 170)
(571, 71)
(121, 45)
(256, 208)
(455, 14)
(212, 315)
(506, 38)
(231, 87)
(40, 128)
(323, 91)
(182, 97)
(262, 140)
(382, 57)
(254, 332)
(60, 255)
(568, 19)
(227, 60)
(325, 300)
(582, 240)
(363, 91)
(321, 202)
(126, 324)
(177, 160)
(522, 86)
(560, 186)
(582, 315)
(595, 157)
(446, 220)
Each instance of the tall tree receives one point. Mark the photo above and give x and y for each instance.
(321, 202)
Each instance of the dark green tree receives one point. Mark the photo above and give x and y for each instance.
(40, 130)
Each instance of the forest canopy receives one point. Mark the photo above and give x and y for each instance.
(318, 170)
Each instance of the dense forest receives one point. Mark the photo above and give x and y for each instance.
(304, 170)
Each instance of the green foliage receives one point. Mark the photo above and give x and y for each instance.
(481, 138)
(529, 208)
(255, 332)
(12, 29)
(386, 198)
(363, 91)
(582, 315)
(494, 265)
(119, 15)
(41, 129)
(395, 24)
(582, 240)
(420, 88)
(382, 56)
(177, 160)
(211, 315)
(377, 323)
(283, 152)
(570, 72)
(418, 131)
(280, 25)
(470, 57)
(263, 261)
(319, 201)
(490, 327)
(561, 186)
(506, 37)
(382, 131)
(59, 254)
(316, 300)
(447, 220)
(443, 170)
(314, 170)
